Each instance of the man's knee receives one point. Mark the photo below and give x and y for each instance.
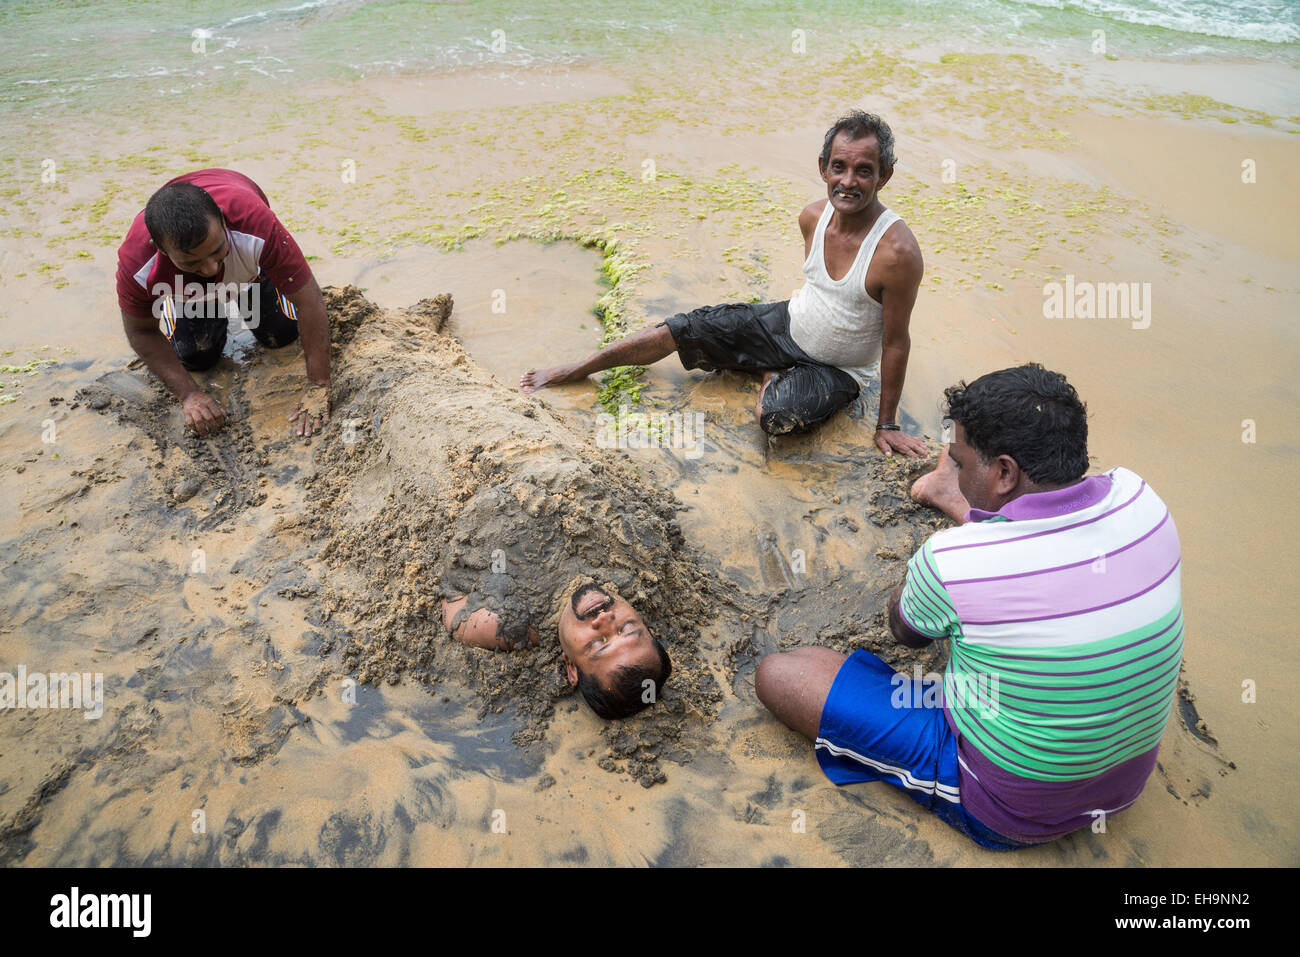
(767, 678)
(776, 414)
(278, 341)
(198, 343)
(775, 671)
(779, 421)
(794, 685)
(663, 334)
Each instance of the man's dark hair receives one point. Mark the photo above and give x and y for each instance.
(858, 124)
(180, 214)
(626, 694)
(1028, 413)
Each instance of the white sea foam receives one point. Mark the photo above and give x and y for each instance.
(1269, 21)
(280, 11)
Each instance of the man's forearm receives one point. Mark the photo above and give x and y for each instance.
(162, 361)
(900, 629)
(893, 370)
(313, 330)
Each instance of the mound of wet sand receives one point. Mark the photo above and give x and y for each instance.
(223, 470)
(436, 480)
(846, 610)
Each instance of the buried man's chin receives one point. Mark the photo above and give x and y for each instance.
(609, 654)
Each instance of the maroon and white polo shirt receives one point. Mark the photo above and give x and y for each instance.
(258, 243)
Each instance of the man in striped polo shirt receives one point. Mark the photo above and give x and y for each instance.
(1060, 596)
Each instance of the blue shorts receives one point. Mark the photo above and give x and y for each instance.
(864, 736)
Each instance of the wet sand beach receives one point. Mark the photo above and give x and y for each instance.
(228, 589)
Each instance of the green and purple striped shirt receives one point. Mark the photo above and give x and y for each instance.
(1065, 614)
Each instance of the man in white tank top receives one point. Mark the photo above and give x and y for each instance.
(819, 350)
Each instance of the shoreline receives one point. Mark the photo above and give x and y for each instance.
(717, 219)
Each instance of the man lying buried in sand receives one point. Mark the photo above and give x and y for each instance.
(207, 248)
(1061, 597)
(466, 507)
(609, 655)
(848, 325)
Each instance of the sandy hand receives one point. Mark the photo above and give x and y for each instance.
(891, 441)
(203, 413)
(313, 410)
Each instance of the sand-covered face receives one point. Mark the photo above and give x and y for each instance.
(600, 634)
(852, 174)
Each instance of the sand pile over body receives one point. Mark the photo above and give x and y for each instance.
(436, 479)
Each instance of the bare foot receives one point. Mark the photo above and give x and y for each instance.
(535, 379)
(939, 489)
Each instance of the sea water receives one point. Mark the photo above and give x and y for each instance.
(157, 56)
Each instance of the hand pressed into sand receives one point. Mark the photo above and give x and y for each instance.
(890, 441)
(203, 413)
(313, 410)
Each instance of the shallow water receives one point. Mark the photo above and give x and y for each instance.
(170, 53)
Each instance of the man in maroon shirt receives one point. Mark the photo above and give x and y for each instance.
(206, 249)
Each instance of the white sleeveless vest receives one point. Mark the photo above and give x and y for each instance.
(834, 320)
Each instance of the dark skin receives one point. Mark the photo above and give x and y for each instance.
(605, 634)
(963, 480)
(794, 685)
(203, 413)
(903, 633)
(853, 179)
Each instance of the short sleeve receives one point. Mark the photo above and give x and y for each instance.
(133, 257)
(282, 260)
(131, 297)
(925, 604)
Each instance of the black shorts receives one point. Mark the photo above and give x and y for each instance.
(199, 341)
(755, 337)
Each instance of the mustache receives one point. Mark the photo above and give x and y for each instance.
(583, 592)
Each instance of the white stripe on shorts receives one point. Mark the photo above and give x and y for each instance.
(945, 791)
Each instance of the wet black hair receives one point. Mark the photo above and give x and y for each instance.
(1028, 413)
(180, 214)
(858, 123)
(626, 694)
